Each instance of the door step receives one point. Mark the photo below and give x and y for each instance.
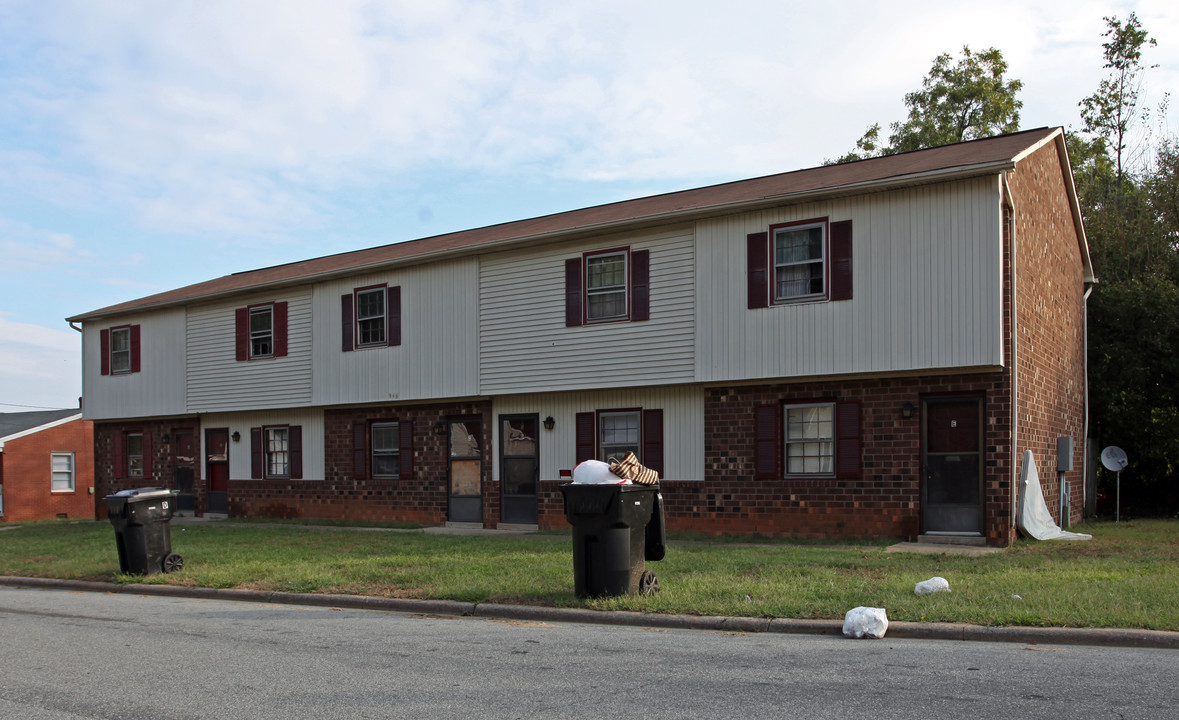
(939, 539)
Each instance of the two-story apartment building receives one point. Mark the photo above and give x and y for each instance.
(851, 350)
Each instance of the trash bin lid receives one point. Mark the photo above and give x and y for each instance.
(145, 493)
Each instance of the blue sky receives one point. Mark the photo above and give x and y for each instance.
(148, 145)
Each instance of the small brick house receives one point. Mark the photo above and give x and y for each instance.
(845, 351)
(46, 466)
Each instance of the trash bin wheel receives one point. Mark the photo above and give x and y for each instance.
(648, 583)
(173, 562)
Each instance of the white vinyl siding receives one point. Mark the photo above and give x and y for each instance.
(683, 425)
(437, 354)
(524, 343)
(218, 381)
(926, 290)
(157, 389)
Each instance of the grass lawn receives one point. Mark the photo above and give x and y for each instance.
(1127, 576)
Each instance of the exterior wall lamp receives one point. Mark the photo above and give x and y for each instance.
(440, 427)
(549, 423)
(236, 436)
(907, 410)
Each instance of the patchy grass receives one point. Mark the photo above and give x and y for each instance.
(1127, 576)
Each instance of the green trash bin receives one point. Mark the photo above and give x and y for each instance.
(143, 535)
(615, 529)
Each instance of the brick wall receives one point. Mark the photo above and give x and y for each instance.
(340, 495)
(1050, 307)
(27, 474)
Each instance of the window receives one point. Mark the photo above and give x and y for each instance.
(605, 286)
(278, 452)
(618, 434)
(386, 450)
(135, 455)
(262, 331)
(810, 439)
(62, 468)
(799, 261)
(370, 317)
(121, 350)
(119, 347)
(608, 286)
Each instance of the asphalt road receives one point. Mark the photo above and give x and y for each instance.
(70, 655)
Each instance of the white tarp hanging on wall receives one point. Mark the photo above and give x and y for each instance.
(1033, 517)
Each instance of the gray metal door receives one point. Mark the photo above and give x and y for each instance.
(519, 468)
(465, 448)
(951, 494)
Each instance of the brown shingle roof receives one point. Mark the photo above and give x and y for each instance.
(977, 156)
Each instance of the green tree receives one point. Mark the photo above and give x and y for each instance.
(959, 101)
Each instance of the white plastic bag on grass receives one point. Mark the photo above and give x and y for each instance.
(932, 585)
(865, 622)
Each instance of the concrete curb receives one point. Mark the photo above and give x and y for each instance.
(529, 613)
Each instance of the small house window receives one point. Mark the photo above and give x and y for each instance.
(386, 452)
(120, 350)
(62, 467)
(810, 439)
(135, 455)
(605, 286)
(619, 434)
(278, 452)
(370, 317)
(799, 261)
(262, 331)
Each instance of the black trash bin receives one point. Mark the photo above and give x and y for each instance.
(615, 528)
(143, 535)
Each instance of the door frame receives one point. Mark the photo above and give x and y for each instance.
(527, 505)
(980, 404)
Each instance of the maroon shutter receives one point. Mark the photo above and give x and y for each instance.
(653, 440)
(241, 333)
(640, 285)
(135, 348)
(405, 449)
(256, 453)
(585, 442)
(346, 323)
(847, 439)
(147, 453)
(280, 329)
(394, 317)
(757, 249)
(841, 260)
(295, 438)
(119, 454)
(572, 292)
(359, 450)
(104, 347)
(767, 421)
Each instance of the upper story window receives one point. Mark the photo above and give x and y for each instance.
(119, 347)
(62, 468)
(799, 261)
(605, 286)
(370, 317)
(608, 286)
(261, 331)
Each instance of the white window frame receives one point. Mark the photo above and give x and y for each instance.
(784, 266)
(616, 448)
(390, 455)
(121, 350)
(262, 341)
(57, 483)
(375, 325)
(276, 451)
(605, 291)
(808, 453)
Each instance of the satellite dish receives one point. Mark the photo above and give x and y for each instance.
(1114, 458)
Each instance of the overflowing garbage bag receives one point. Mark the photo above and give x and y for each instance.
(865, 622)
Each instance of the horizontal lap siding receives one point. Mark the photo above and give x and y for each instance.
(218, 381)
(437, 354)
(926, 290)
(683, 424)
(158, 387)
(524, 343)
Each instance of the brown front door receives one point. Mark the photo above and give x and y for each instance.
(952, 491)
(217, 470)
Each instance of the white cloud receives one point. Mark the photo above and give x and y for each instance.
(39, 367)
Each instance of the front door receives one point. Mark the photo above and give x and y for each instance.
(466, 469)
(952, 466)
(184, 451)
(217, 470)
(519, 467)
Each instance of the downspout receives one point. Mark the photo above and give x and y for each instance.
(1085, 471)
(1015, 489)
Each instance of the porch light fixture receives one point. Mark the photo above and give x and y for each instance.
(237, 437)
(440, 428)
(907, 410)
(167, 438)
(549, 423)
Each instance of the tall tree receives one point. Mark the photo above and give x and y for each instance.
(959, 101)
